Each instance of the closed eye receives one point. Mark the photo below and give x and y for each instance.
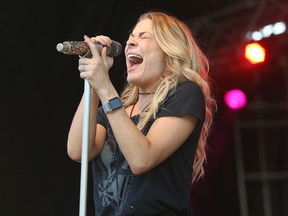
(142, 35)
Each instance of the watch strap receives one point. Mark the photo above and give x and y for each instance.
(112, 104)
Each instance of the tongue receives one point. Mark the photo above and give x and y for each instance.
(136, 60)
(134, 66)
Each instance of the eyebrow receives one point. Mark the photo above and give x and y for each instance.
(140, 34)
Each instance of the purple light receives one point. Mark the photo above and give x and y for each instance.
(235, 99)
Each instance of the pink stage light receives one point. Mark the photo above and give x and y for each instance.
(235, 99)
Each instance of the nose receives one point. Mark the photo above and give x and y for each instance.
(131, 42)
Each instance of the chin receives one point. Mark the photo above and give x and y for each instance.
(132, 80)
(129, 80)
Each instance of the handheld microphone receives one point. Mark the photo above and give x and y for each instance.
(81, 48)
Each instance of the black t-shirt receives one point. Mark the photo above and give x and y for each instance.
(165, 189)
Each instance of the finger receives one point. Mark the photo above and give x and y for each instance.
(81, 68)
(83, 61)
(84, 75)
(92, 46)
(104, 55)
(104, 40)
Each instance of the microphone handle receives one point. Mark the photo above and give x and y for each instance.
(76, 47)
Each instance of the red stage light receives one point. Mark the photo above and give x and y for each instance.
(254, 53)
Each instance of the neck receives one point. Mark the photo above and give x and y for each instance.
(138, 109)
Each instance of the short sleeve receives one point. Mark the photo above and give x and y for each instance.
(186, 99)
(101, 118)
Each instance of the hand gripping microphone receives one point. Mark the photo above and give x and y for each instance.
(81, 48)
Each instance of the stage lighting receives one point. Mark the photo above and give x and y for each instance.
(254, 53)
(235, 99)
(267, 31)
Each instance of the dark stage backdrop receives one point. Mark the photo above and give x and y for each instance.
(41, 88)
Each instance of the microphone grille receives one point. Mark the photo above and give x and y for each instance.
(115, 49)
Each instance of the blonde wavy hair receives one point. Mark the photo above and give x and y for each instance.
(184, 61)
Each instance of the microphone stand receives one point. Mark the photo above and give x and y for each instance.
(85, 141)
(73, 49)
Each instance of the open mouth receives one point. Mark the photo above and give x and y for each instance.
(134, 59)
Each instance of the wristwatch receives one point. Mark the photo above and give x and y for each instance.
(112, 104)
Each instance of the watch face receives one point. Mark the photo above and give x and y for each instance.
(112, 104)
(115, 103)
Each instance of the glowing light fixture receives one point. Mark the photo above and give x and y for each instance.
(235, 99)
(254, 53)
(266, 31)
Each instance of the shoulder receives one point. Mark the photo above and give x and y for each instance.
(185, 99)
(187, 87)
(186, 92)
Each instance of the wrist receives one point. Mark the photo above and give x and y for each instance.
(112, 105)
(106, 93)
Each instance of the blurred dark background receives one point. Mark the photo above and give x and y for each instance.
(247, 169)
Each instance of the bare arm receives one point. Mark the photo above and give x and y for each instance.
(145, 152)
(74, 145)
(97, 133)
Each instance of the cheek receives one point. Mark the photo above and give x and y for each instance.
(157, 64)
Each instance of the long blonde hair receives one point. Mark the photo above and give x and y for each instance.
(184, 61)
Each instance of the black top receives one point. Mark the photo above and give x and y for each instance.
(165, 189)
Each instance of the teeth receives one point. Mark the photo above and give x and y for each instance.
(131, 56)
(134, 59)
